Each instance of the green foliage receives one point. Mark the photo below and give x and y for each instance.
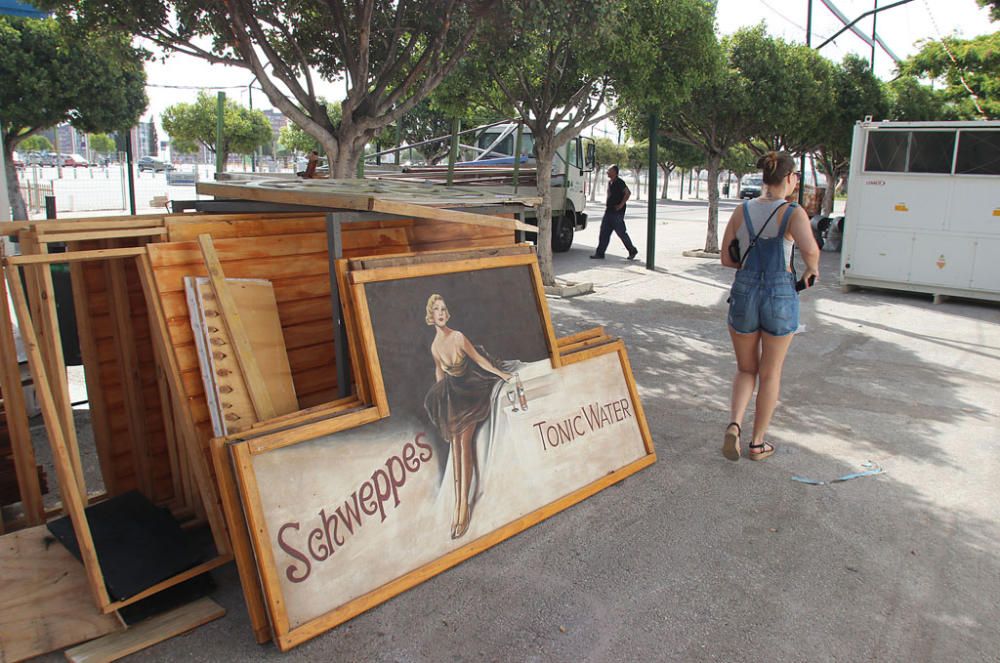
(970, 82)
(637, 156)
(54, 72)
(994, 6)
(672, 154)
(36, 143)
(190, 125)
(296, 141)
(740, 160)
(660, 52)
(608, 153)
(391, 54)
(912, 101)
(102, 143)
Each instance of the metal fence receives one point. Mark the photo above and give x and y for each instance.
(103, 188)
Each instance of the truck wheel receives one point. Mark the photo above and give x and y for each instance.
(562, 233)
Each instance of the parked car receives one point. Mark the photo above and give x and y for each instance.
(153, 164)
(74, 161)
(18, 162)
(750, 186)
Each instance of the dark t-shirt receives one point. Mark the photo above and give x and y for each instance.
(616, 193)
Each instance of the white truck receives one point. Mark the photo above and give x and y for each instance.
(923, 212)
(487, 160)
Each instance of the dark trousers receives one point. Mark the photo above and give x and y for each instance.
(613, 222)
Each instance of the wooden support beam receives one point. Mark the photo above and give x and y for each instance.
(147, 633)
(17, 418)
(77, 256)
(73, 501)
(237, 332)
(91, 235)
(43, 304)
(194, 452)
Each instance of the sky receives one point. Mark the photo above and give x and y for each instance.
(179, 78)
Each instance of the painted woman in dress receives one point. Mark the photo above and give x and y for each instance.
(459, 401)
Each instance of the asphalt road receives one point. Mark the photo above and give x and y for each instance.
(701, 559)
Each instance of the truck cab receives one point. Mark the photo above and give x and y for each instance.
(495, 147)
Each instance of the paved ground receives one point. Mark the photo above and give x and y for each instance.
(701, 559)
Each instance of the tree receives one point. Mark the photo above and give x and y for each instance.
(93, 80)
(36, 143)
(102, 144)
(390, 55)
(858, 94)
(967, 69)
(994, 6)
(606, 153)
(912, 101)
(637, 158)
(295, 139)
(672, 154)
(190, 125)
(730, 107)
(559, 64)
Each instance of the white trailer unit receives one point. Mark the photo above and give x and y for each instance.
(923, 212)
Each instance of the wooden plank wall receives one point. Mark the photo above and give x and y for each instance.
(135, 446)
(294, 257)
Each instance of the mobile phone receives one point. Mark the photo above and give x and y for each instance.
(801, 283)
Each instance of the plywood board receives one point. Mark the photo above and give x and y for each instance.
(147, 633)
(45, 603)
(225, 385)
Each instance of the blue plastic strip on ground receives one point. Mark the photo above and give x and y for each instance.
(846, 477)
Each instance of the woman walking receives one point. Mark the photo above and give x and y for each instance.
(763, 303)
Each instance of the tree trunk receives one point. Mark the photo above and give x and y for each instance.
(18, 208)
(593, 182)
(666, 183)
(712, 238)
(637, 184)
(543, 164)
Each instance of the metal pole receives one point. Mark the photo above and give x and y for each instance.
(517, 155)
(4, 195)
(456, 127)
(802, 157)
(220, 159)
(654, 128)
(874, 19)
(253, 154)
(129, 168)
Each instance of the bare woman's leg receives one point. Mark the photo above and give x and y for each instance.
(465, 463)
(747, 348)
(774, 349)
(456, 473)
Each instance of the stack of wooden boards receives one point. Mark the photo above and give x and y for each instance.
(209, 354)
(150, 418)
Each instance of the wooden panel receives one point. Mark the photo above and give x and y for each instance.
(16, 418)
(147, 633)
(255, 301)
(44, 601)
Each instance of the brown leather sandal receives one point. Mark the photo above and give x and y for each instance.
(731, 443)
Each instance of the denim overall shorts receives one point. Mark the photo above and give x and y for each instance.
(763, 296)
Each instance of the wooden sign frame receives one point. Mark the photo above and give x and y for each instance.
(268, 593)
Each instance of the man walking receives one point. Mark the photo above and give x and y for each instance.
(614, 216)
